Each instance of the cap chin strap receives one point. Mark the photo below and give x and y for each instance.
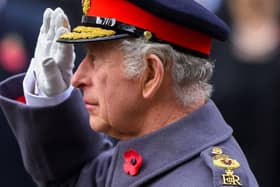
(113, 24)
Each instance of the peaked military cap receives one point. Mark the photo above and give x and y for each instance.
(182, 23)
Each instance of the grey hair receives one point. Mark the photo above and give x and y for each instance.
(190, 74)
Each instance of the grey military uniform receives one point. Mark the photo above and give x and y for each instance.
(59, 148)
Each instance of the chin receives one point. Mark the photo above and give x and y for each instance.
(99, 125)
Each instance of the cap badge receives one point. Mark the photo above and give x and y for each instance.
(86, 6)
(107, 22)
(224, 161)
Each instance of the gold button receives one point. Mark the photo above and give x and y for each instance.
(148, 35)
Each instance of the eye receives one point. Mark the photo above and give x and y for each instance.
(92, 58)
(90, 55)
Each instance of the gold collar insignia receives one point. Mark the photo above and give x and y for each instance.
(224, 161)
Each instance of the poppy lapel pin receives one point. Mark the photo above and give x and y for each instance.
(132, 162)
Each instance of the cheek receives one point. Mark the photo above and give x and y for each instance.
(99, 120)
(119, 100)
(108, 90)
(101, 90)
(122, 105)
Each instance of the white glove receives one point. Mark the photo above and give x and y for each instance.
(51, 67)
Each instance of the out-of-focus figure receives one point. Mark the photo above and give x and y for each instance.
(13, 56)
(255, 34)
(248, 82)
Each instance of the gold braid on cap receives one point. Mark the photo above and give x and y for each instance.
(86, 6)
(83, 32)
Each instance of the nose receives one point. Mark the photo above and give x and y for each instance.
(81, 76)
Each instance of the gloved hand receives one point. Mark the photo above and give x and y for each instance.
(52, 64)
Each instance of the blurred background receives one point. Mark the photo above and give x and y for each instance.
(20, 23)
(247, 82)
(246, 79)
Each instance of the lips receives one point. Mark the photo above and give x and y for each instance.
(91, 106)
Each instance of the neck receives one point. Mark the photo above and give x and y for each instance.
(164, 114)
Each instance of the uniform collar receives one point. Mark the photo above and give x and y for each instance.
(170, 146)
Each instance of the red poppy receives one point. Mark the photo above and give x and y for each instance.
(132, 162)
(21, 99)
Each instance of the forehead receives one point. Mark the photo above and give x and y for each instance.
(103, 45)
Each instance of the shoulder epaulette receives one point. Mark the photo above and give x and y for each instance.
(226, 171)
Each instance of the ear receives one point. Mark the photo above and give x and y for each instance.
(153, 76)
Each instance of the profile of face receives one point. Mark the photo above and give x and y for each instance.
(114, 102)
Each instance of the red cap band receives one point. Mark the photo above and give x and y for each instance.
(129, 13)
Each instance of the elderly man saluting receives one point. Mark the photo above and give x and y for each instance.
(144, 81)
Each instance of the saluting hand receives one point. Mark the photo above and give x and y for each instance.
(53, 62)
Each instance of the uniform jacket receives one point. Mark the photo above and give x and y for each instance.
(59, 148)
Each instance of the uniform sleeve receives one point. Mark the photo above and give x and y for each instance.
(55, 141)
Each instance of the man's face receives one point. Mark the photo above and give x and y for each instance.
(112, 100)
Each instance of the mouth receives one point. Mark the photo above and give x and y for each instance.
(91, 106)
